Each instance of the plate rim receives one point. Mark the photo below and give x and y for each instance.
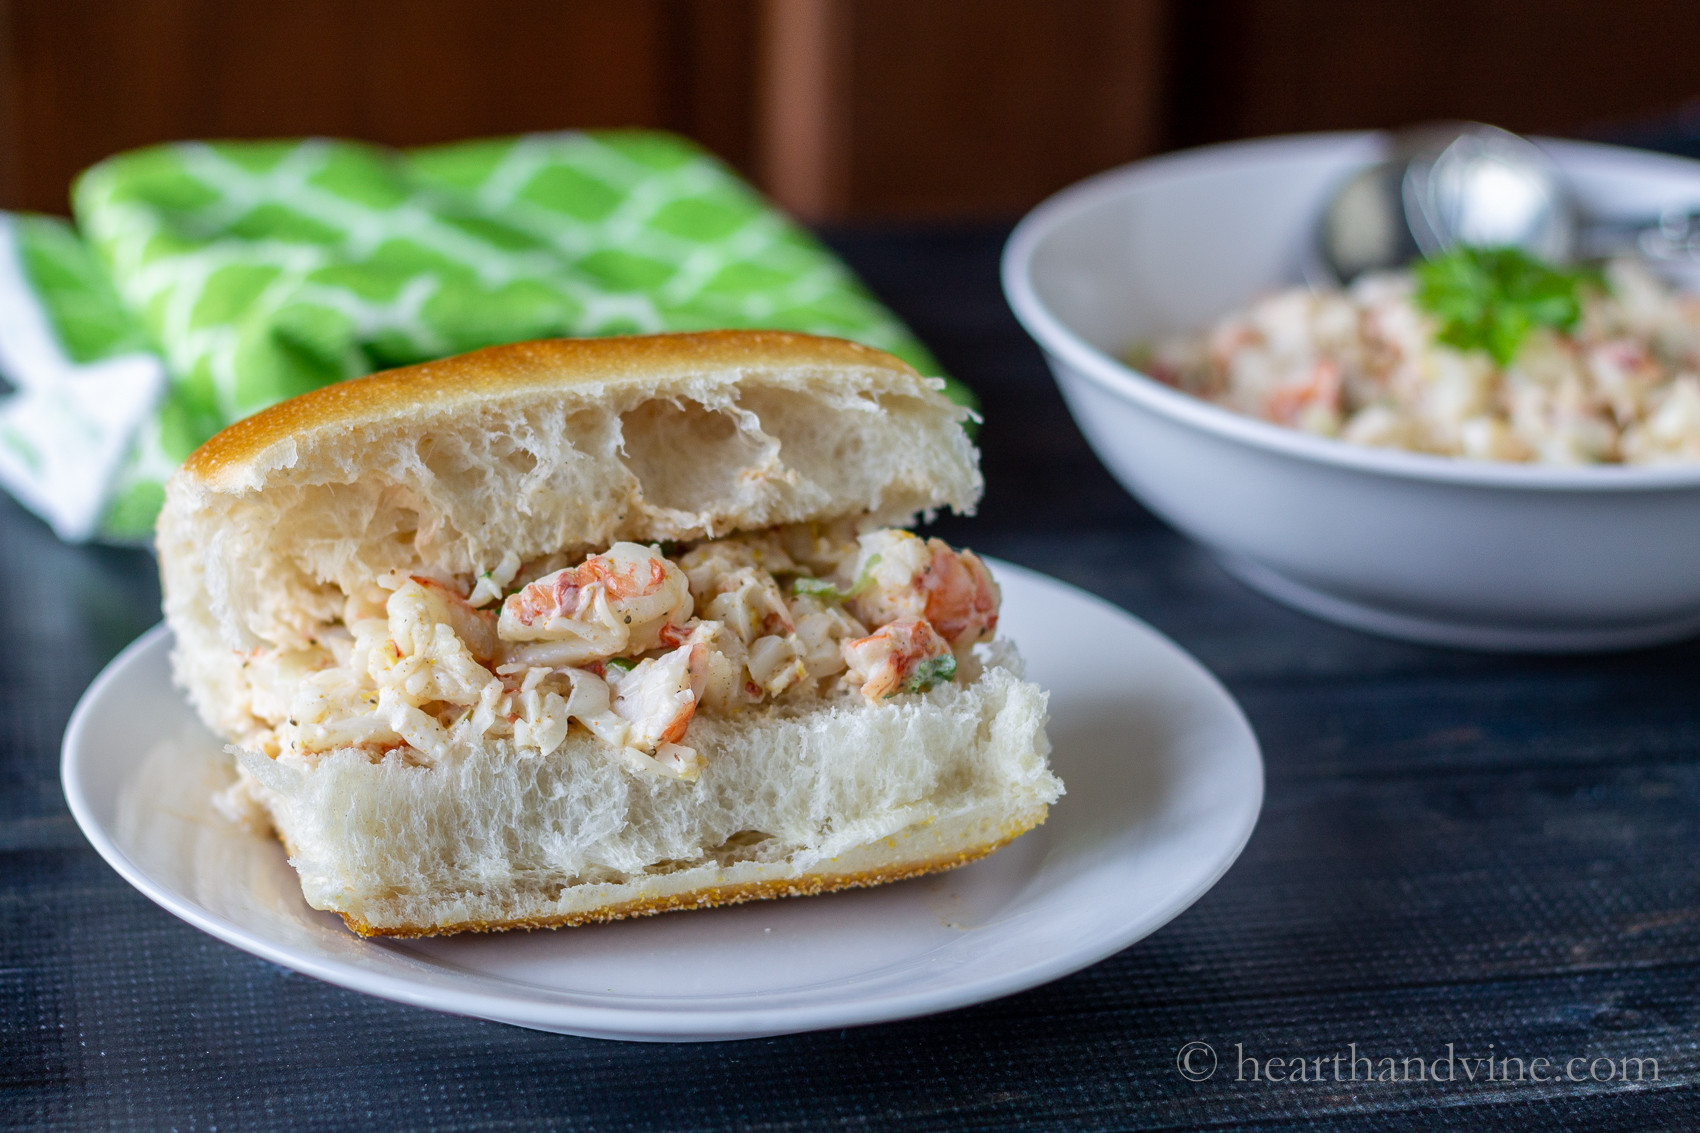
(655, 1023)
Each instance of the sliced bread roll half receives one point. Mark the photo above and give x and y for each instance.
(303, 550)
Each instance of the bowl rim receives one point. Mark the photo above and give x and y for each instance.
(1061, 342)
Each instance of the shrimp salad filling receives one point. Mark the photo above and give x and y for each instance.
(1615, 380)
(628, 644)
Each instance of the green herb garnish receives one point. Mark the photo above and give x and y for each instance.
(827, 592)
(1491, 298)
(818, 588)
(624, 664)
(931, 672)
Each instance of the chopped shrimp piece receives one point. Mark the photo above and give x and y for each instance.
(726, 683)
(706, 563)
(591, 704)
(825, 548)
(274, 674)
(678, 760)
(750, 603)
(669, 761)
(902, 656)
(821, 627)
(775, 663)
(622, 601)
(915, 578)
(474, 626)
(422, 733)
(543, 722)
(644, 713)
(962, 599)
(732, 580)
(424, 657)
(1317, 389)
(1625, 374)
(659, 696)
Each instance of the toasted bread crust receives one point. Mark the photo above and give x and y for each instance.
(809, 885)
(559, 363)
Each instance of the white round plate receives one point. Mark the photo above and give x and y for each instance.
(1164, 786)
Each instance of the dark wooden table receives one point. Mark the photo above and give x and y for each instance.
(1467, 853)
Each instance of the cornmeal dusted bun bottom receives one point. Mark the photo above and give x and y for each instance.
(566, 448)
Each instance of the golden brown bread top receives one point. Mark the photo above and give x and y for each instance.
(556, 363)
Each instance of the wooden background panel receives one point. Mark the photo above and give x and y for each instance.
(926, 108)
(883, 108)
(803, 91)
(86, 78)
(713, 72)
(986, 106)
(1248, 68)
(842, 109)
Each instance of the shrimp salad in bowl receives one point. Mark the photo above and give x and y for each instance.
(1482, 451)
(1484, 354)
(629, 643)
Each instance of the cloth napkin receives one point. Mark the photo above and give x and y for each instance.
(205, 281)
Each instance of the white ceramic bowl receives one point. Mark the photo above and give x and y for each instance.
(1456, 552)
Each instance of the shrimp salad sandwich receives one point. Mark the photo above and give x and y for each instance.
(576, 630)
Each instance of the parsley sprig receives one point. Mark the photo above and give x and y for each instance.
(930, 672)
(1491, 298)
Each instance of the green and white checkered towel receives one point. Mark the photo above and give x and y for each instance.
(213, 279)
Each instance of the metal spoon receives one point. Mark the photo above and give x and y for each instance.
(1467, 183)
